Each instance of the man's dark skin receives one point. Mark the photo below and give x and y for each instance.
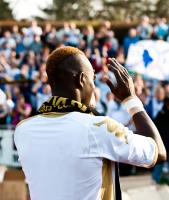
(76, 81)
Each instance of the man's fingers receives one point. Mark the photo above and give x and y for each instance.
(112, 62)
(115, 64)
(119, 75)
(113, 69)
(118, 66)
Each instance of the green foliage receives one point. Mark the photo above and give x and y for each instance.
(162, 8)
(133, 9)
(70, 9)
(5, 11)
(110, 9)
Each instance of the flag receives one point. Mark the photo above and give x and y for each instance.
(149, 57)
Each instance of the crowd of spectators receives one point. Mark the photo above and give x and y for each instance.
(24, 51)
(23, 78)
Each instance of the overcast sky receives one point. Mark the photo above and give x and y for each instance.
(25, 9)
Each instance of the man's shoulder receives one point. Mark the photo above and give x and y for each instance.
(81, 118)
(25, 121)
(98, 122)
(87, 117)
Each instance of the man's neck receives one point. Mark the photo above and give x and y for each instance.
(70, 95)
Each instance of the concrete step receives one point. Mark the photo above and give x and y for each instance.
(143, 188)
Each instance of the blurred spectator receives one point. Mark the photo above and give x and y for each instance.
(120, 56)
(156, 103)
(34, 29)
(100, 105)
(112, 105)
(43, 95)
(88, 35)
(145, 29)
(63, 31)
(36, 45)
(95, 56)
(7, 40)
(45, 33)
(161, 29)
(72, 36)
(161, 171)
(21, 111)
(112, 44)
(166, 88)
(100, 81)
(162, 123)
(132, 38)
(120, 114)
(3, 108)
(52, 39)
(15, 34)
(139, 84)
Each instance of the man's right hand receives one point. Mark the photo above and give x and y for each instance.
(125, 86)
(124, 89)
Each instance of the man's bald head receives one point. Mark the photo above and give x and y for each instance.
(68, 70)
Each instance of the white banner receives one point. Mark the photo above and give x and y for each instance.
(8, 155)
(150, 58)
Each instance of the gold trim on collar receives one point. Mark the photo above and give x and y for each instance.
(53, 114)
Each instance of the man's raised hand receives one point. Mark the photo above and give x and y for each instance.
(124, 86)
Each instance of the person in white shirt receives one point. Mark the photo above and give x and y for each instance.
(67, 151)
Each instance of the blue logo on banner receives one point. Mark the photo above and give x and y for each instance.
(147, 59)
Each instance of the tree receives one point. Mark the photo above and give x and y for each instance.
(5, 11)
(162, 8)
(70, 9)
(110, 9)
(122, 9)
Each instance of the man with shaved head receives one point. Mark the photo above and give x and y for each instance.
(70, 74)
(68, 151)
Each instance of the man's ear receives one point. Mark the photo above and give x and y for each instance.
(80, 80)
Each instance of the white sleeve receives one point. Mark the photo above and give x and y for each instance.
(117, 143)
